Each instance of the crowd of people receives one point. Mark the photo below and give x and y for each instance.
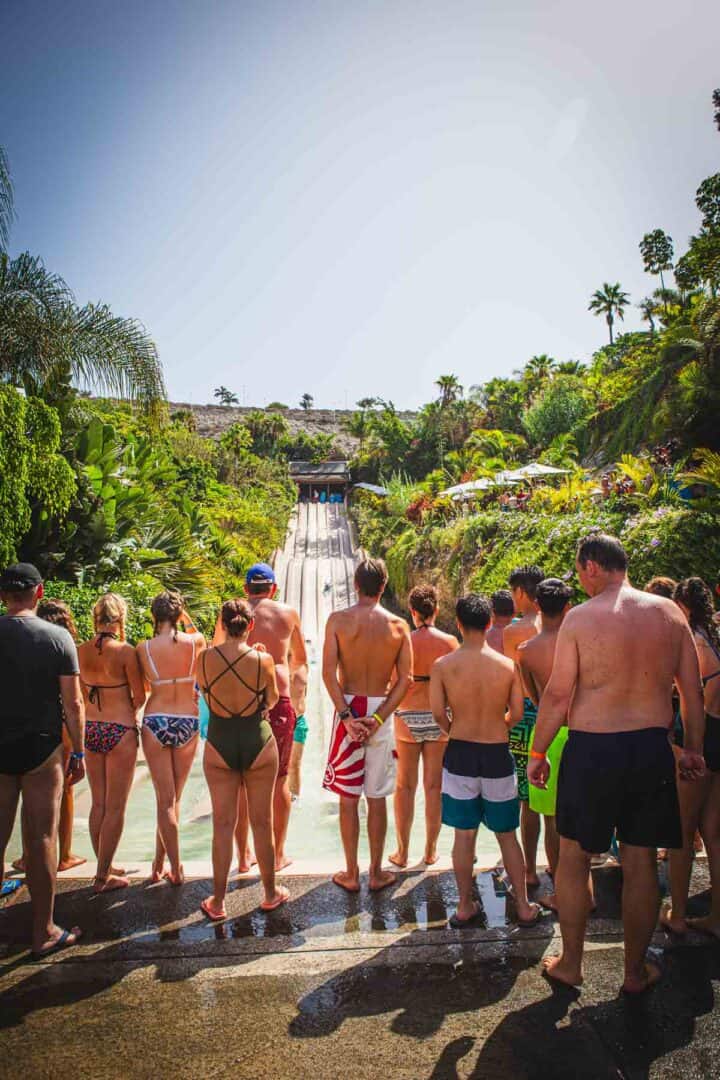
(600, 719)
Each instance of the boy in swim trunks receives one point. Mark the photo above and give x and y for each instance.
(524, 581)
(296, 755)
(479, 787)
(367, 660)
(535, 660)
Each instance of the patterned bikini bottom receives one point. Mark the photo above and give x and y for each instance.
(102, 736)
(172, 731)
(422, 726)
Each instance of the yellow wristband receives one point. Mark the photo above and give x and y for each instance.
(378, 718)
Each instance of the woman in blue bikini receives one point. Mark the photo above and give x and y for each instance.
(170, 728)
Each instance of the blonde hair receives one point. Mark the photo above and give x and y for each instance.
(110, 608)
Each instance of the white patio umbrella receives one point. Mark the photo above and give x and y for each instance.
(536, 468)
(460, 490)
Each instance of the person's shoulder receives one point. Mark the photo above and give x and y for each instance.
(527, 648)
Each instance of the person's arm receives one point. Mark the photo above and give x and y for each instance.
(135, 679)
(403, 682)
(219, 635)
(438, 697)
(298, 668)
(509, 639)
(691, 763)
(555, 703)
(330, 662)
(272, 695)
(74, 710)
(517, 700)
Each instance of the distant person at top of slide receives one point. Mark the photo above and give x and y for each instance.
(535, 660)
(367, 660)
(39, 673)
(503, 610)
(276, 626)
(615, 662)
(479, 785)
(524, 581)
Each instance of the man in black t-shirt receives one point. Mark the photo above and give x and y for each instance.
(40, 682)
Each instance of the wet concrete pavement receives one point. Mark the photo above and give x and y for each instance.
(331, 985)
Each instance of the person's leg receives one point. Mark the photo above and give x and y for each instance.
(182, 763)
(9, 795)
(159, 761)
(552, 854)
(119, 772)
(41, 792)
(408, 758)
(710, 830)
(295, 773)
(530, 833)
(514, 864)
(377, 831)
(66, 858)
(223, 784)
(640, 907)
(574, 902)
(692, 794)
(463, 857)
(349, 878)
(246, 859)
(432, 755)
(282, 803)
(260, 781)
(95, 767)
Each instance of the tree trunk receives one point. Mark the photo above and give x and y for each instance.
(662, 286)
(610, 325)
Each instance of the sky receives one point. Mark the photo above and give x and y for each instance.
(351, 198)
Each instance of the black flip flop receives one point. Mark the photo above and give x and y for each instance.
(527, 923)
(456, 923)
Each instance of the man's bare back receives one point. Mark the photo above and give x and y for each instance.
(535, 659)
(621, 649)
(518, 632)
(277, 627)
(366, 643)
(477, 684)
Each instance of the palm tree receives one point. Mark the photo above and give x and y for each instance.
(225, 396)
(570, 367)
(647, 307)
(540, 367)
(450, 389)
(6, 200)
(47, 342)
(306, 402)
(609, 301)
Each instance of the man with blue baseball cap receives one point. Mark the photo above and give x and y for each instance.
(277, 627)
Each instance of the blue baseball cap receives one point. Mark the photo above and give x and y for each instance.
(260, 574)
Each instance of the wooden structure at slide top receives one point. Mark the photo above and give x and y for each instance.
(328, 477)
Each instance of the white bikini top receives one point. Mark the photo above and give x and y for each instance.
(157, 681)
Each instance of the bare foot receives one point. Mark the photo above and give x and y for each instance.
(19, 865)
(430, 858)
(558, 970)
(69, 861)
(118, 871)
(175, 879)
(548, 900)
(282, 861)
(349, 882)
(398, 860)
(531, 880)
(281, 896)
(110, 883)
(705, 925)
(381, 880)
(698, 844)
(246, 864)
(674, 924)
(638, 984)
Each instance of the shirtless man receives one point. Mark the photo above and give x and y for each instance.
(535, 660)
(277, 627)
(615, 662)
(479, 781)
(503, 610)
(523, 586)
(367, 661)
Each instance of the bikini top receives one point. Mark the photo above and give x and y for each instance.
(157, 681)
(706, 678)
(94, 691)
(414, 677)
(257, 693)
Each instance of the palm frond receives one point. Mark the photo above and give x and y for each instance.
(7, 200)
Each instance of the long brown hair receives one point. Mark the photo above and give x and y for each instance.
(59, 614)
(167, 607)
(696, 596)
(236, 616)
